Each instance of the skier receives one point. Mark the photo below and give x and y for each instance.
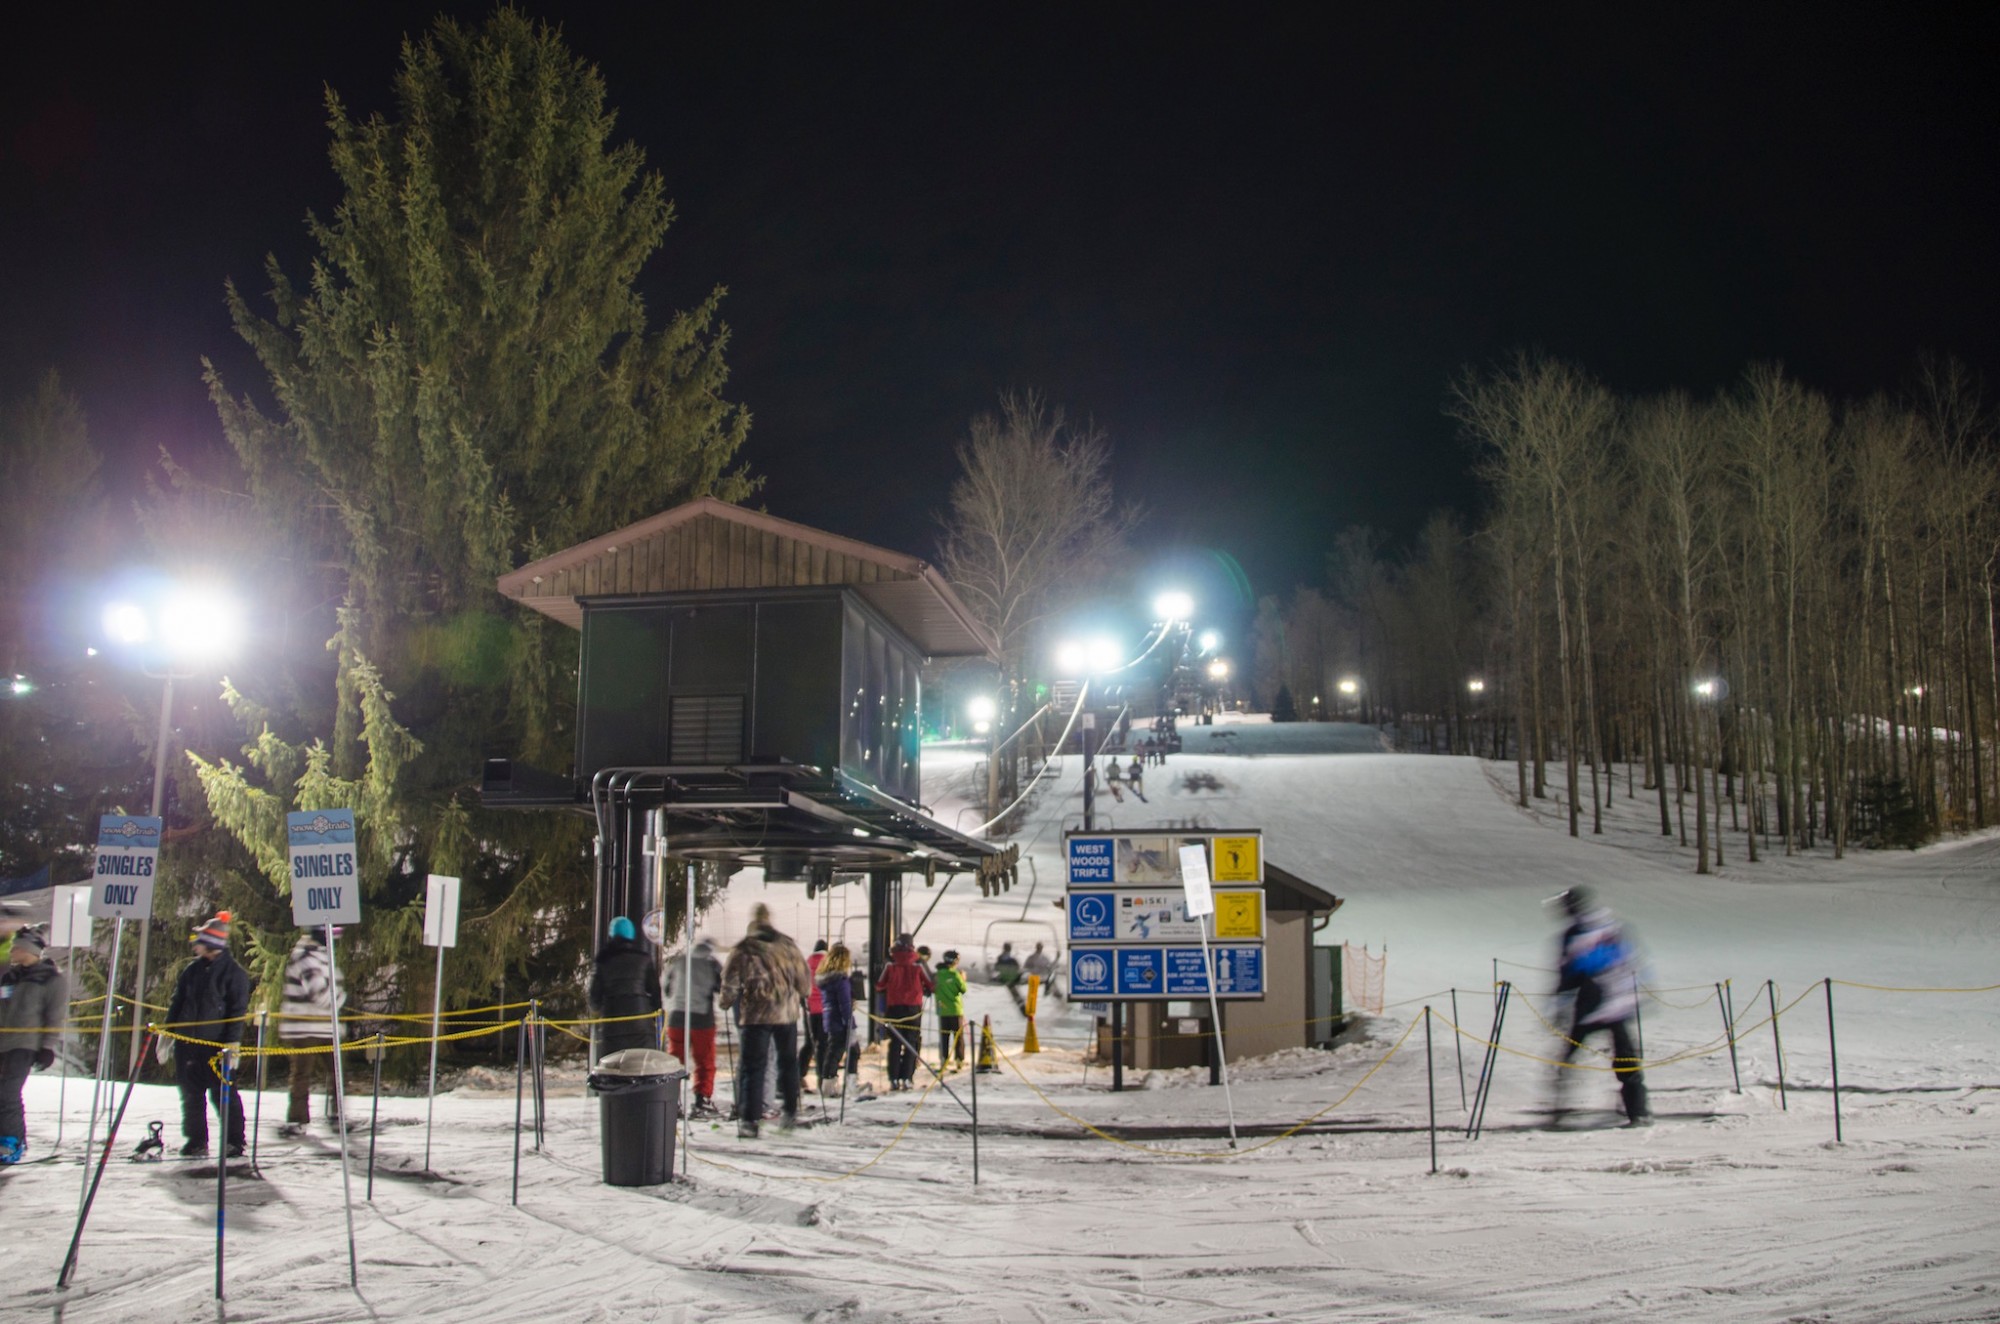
(305, 1023)
(1114, 779)
(34, 1002)
(951, 1012)
(1007, 971)
(625, 987)
(904, 986)
(1135, 776)
(691, 1020)
(766, 982)
(836, 993)
(1600, 969)
(1039, 962)
(209, 1002)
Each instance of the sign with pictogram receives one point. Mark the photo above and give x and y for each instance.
(326, 880)
(128, 856)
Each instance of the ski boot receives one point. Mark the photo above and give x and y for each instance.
(154, 1146)
(12, 1150)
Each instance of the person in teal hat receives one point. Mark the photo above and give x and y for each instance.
(624, 988)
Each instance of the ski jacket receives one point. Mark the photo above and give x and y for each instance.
(836, 1015)
(1039, 963)
(766, 980)
(1598, 964)
(707, 979)
(310, 996)
(210, 999)
(34, 1003)
(950, 991)
(904, 983)
(813, 1004)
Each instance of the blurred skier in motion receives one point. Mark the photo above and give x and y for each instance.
(1600, 969)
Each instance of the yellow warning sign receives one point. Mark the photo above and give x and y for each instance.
(1236, 860)
(1239, 915)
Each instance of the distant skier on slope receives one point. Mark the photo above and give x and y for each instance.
(1599, 968)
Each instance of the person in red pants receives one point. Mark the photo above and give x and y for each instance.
(691, 1019)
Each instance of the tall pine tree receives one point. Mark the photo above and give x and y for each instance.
(467, 380)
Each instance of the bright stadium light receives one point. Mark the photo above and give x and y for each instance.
(1218, 670)
(982, 709)
(1350, 687)
(1476, 685)
(200, 625)
(1210, 641)
(127, 623)
(1173, 605)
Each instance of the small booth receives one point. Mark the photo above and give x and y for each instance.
(749, 695)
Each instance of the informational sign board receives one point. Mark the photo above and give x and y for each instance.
(69, 916)
(1139, 974)
(128, 853)
(1153, 859)
(1194, 881)
(326, 879)
(1143, 916)
(441, 911)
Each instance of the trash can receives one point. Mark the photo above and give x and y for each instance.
(640, 1094)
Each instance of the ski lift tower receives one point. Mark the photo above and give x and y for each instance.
(749, 696)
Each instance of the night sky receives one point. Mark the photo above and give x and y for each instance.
(1254, 246)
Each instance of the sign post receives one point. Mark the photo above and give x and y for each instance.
(69, 929)
(1201, 903)
(440, 931)
(326, 890)
(121, 888)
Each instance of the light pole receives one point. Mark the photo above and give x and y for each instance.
(189, 627)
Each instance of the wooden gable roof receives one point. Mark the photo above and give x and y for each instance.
(709, 544)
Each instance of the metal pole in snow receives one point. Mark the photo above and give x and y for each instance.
(430, 1093)
(103, 1060)
(375, 1117)
(257, 1110)
(1215, 1016)
(1458, 1047)
(340, 1092)
(687, 1020)
(1729, 1032)
(222, 1166)
(520, 1061)
(90, 1186)
(1833, 1052)
(1778, 1043)
(1430, 1076)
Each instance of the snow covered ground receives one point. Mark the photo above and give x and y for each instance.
(1732, 1208)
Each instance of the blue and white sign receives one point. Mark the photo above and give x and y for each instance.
(1141, 972)
(326, 883)
(128, 854)
(1090, 860)
(1239, 972)
(1090, 974)
(1092, 916)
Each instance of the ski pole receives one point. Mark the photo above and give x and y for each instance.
(520, 1060)
(1430, 1077)
(1778, 1043)
(374, 1119)
(90, 1196)
(1729, 1031)
(222, 1163)
(1833, 1051)
(1458, 1047)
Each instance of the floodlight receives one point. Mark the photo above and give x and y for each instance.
(1173, 605)
(1210, 641)
(1102, 655)
(197, 624)
(126, 623)
(1476, 686)
(1218, 670)
(982, 710)
(1350, 686)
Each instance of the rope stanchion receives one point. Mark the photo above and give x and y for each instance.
(1723, 1004)
(1485, 1089)
(1833, 1052)
(883, 1153)
(1431, 1089)
(90, 1193)
(1778, 1046)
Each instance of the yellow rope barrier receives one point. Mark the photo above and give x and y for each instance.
(897, 1139)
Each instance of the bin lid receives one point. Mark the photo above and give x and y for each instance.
(638, 1062)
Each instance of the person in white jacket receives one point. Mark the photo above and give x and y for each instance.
(305, 1022)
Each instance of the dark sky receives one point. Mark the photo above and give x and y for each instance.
(1254, 246)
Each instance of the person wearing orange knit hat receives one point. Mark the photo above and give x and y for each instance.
(206, 1015)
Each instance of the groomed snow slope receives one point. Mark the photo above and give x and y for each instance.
(1730, 1209)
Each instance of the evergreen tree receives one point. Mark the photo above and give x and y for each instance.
(467, 380)
(1284, 709)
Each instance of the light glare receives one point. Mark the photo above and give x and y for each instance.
(126, 623)
(1173, 605)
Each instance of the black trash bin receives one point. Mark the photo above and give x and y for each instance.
(640, 1093)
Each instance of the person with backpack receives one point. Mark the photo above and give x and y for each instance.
(691, 1020)
(904, 986)
(305, 1024)
(766, 981)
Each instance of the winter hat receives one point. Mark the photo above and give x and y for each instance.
(1575, 900)
(760, 916)
(820, 946)
(622, 928)
(949, 957)
(33, 938)
(214, 933)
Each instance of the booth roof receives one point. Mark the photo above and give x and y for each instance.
(709, 545)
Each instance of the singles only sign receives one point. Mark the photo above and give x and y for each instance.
(128, 853)
(326, 884)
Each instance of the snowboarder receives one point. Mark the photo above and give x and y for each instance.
(951, 1012)
(34, 1002)
(305, 1024)
(766, 982)
(1599, 968)
(210, 999)
(691, 1020)
(624, 988)
(904, 985)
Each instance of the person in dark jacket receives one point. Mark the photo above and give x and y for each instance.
(904, 985)
(210, 1000)
(34, 1003)
(1599, 969)
(836, 994)
(624, 986)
